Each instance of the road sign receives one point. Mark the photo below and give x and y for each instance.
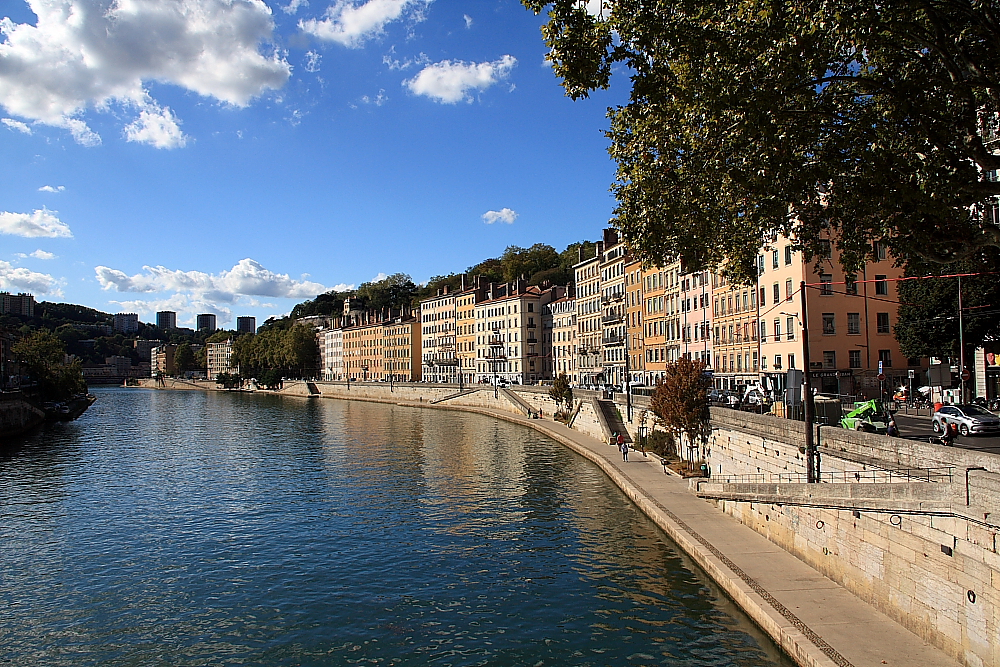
(881, 377)
(910, 374)
(880, 368)
(966, 375)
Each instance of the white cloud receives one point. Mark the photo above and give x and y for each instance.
(449, 82)
(25, 280)
(156, 126)
(92, 53)
(351, 24)
(406, 63)
(294, 5)
(312, 61)
(378, 100)
(42, 222)
(468, 20)
(38, 254)
(51, 188)
(247, 278)
(16, 125)
(503, 215)
(380, 276)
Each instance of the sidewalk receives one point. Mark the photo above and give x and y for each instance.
(813, 619)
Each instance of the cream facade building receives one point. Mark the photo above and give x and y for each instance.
(590, 350)
(218, 356)
(508, 333)
(438, 324)
(562, 313)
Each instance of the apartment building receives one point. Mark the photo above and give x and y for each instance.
(735, 346)
(562, 313)
(161, 360)
(401, 353)
(218, 357)
(465, 328)
(331, 351)
(438, 323)
(696, 316)
(590, 350)
(363, 354)
(634, 323)
(166, 319)
(17, 304)
(126, 323)
(508, 328)
(206, 322)
(613, 307)
(850, 319)
(246, 324)
(661, 319)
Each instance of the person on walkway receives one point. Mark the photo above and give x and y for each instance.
(624, 448)
(891, 430)
(950, 433)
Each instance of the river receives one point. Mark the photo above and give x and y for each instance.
(192, 528)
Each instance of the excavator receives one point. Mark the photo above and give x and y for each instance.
(868, 416)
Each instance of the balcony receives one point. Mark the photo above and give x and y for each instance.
(611, 341)
(611, 319)
(532, 340)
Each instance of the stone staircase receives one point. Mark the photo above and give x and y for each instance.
(457, 394)
(611, 421)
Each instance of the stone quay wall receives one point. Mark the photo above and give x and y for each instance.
(922, 552)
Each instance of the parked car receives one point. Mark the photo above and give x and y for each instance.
(969, 419)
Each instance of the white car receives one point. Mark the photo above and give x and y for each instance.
(968, 419)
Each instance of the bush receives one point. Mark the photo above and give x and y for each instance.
(662, 444)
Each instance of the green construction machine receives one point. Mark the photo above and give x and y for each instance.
(868, 416)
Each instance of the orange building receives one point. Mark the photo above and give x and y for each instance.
(734, 334)
(401, 350)
(634, 323)
(363, 356)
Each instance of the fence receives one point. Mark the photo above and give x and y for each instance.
(874, 476)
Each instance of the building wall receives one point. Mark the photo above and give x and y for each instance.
(438, 322)
(613, 307)
(363, 352)
(18, 304)
(735, 345)
(696, 316)
(166, 319)
(127, 323)
(564, 339)
(218, 357)
(246, 324)
(465, 327)
(588, 319)
(401, 350)
(634, 322)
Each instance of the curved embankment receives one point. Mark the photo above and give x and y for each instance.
(814, 620)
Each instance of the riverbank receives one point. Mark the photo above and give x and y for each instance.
(813, 619)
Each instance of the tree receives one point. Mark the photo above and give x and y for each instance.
(395, 291)
(680, 400)
(927, 324)
(561, 392)
(184, 358)
(42, 357)
(749, 118)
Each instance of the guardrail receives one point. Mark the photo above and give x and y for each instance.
(876, 476)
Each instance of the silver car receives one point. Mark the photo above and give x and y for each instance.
(968, 419)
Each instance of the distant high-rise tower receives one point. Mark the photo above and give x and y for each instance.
(126, 323)
(206, 322)
(166, 319)
(246, 324)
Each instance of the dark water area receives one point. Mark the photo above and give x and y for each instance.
(190, 528)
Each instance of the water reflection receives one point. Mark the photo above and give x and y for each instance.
(182, 528)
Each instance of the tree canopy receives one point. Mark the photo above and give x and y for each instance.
(42, 357)
(749, 118)
(928, 312)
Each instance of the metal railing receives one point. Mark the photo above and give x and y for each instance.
(943, 474)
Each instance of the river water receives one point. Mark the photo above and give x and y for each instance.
(190, 528)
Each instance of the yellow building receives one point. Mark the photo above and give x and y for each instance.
(734, 334)
(465, 328)
(634, 305)
(401, 350)
(363, 355)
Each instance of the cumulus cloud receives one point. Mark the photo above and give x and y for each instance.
(52, 188)
(351, 24)
(16, 125)
(468, 20)
(84, 54)
(42, 222)
(503, 215)
(38, 254)
(157, 127)
(294, 5)
(247, 278)
(449, 82)
(24, 280)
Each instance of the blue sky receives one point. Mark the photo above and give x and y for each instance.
(237, 156)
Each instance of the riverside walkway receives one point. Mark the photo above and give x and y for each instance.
(814, 620)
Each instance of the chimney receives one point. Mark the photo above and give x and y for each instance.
(446, 289)
(463, 282)
(610, 237)
(600, 249)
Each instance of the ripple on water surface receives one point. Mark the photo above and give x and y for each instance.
(185, 528)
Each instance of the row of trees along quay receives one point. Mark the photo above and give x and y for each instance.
(747, 119)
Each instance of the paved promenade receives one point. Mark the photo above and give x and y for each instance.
(813, 619)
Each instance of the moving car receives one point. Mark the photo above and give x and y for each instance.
(969, 419)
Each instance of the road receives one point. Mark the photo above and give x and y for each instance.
(918, 427)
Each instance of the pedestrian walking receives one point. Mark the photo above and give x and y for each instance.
(624, 448)
(950, 433)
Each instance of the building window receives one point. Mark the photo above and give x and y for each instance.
(881, 286)
(763, 331)
(854, 358)
(826, 284)
(829, 324)
(777, 330)
(788, 289)
(774, 259)
(791, 361)
(788, 255)
(825, 249)
(755, 361)
(885, 358)
(777, 293)
(882, 323)
(790, 328)
(777, 361)
(851, 286)
(763, 295)
(879, 251)
(829, 359)
(853, 323)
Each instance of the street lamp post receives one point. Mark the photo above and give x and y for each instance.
(808, 407)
